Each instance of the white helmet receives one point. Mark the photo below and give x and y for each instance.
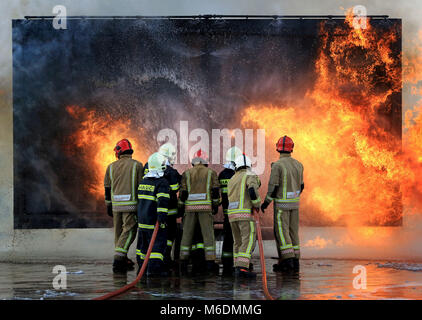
(156, 164)
(243, 161)
(169, 151)
(232, 154)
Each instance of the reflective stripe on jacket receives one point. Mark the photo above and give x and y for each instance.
(240, 202)
(123, 177)
(224, 178)
(154, 197)
(287, 174)
(198, 182)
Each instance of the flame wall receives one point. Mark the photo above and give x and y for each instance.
(335, 91)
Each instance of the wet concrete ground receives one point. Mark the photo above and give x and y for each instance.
(318, 279)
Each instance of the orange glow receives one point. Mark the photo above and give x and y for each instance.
(318, 243)
(355, 170)
(96, 138)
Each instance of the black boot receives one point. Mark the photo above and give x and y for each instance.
(157, 273)
(184, 267)
(287, 265)
(228, 269)
(130, 265)
(277, 267)
(296, 264)
(245, 273)
(119, 266)
(213, 268)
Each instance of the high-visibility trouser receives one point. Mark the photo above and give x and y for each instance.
(244, 240)
(125, 226)
(197, 253)
(206, 222)
(227, 250)
(156, 259)
(171, 237)
(286, 231)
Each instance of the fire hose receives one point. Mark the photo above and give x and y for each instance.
(267, 294)
(141, 272)
(129, 286)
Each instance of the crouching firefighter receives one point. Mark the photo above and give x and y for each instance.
(285, 187)
(173, 178)
(223, 178)
(199, 199)
(121, 180)
(244, 201)
(154, 197)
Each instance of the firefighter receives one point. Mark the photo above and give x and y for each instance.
(154, 198)
(199, 198)
(120, 182)
(223, 178)
(244, 201)
(173, 178)
(285, 187)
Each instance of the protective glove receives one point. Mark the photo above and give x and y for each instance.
(264, 206)
(110, 211)
(162, 218)
(181, 210)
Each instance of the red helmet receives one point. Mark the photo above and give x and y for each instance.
(200, 156)
(122, 146)
(285, 144)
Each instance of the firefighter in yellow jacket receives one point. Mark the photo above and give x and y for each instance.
(199, 198)
(244, 201)
(121, 183)
(285, 187)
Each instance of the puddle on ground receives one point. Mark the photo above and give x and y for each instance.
(318, 279)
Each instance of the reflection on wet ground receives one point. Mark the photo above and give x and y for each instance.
(318, 279)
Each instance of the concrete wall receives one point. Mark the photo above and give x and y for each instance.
(24, 245)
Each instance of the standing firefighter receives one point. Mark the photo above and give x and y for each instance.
(121, 180)
(154, 197)
(200, 197)
(173, 178)
(223, 178)
(285, 186)
(243, 201)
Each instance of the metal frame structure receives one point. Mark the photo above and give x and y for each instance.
(208, 17)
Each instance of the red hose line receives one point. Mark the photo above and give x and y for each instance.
(144, 266)
(267, 294)
(127, 287)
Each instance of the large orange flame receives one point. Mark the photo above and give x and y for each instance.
(355, 169)
(96, 137)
